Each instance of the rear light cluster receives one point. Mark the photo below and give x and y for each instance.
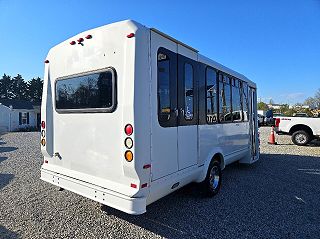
(128, 142)
(80, 40)
(277, 122)
(43, 133)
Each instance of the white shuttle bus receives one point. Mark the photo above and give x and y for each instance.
(129, 115)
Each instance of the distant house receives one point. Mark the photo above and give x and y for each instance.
(274, 106)
(17, 114)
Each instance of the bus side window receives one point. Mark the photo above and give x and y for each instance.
(164, 104)
(188, 92)
(236, 101)
(244, 89)
(211, 91)
(225, 114)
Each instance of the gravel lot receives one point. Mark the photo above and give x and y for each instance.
(278, 197)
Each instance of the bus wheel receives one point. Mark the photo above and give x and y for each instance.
(212, 183)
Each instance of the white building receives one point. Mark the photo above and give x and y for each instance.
(17, 114)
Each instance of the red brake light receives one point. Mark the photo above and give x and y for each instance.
(88, 36)
(133, 185)
(43, 124)
(130, 35)
(128, 129)
(72, 43)
(277, 122)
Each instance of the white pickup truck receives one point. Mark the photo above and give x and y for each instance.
(301, 129)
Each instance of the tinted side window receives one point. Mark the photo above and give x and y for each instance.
(244, 89)
(225, 114)
(86, 93)
(188, 92)
(211, 91)
(236, 101)
(163, 87)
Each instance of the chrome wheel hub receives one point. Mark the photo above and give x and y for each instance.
(301, 138)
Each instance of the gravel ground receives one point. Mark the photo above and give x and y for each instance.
(277, 197)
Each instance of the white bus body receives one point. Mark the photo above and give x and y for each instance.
(101, 80)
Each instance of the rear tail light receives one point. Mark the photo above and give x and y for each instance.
(277, 122)
(72, 43)
(43, 142)
(128, 129)
(133, 185)
(88, 36)
(128, 155)
(43, 124)
(128, 143)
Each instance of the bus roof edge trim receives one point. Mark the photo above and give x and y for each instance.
(173, 39)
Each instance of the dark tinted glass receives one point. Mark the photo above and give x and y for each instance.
(236, 101)
(163, 87)
(225, 114)
(245, 100)
(188, 91)
(94, 91)
(211, 107)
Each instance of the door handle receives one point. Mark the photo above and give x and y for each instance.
(182, 111)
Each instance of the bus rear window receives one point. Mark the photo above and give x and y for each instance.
(93, 92)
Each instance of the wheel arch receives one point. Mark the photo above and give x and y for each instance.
(301, 127)
(216, 155)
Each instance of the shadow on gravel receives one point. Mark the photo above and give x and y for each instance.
(277, 197)
(5, 233)
(5, 180)
(7, 149)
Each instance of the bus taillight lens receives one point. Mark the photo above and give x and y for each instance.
(128, 155)
(43, 142)
(277, 122)
(128, 143)
(128, 129)
(43, 124)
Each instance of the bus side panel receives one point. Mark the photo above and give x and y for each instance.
(141, 106)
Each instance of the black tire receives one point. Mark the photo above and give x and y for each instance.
(212, 186)
(300, 138)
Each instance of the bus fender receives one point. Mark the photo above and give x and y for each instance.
(214, 154)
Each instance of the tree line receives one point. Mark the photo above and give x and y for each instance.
(285, 109)
(18, 88)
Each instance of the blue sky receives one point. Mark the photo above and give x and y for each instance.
(274, 43)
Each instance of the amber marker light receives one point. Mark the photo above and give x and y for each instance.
(128, 155)
(43, 142)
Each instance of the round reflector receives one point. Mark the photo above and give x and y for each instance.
(128, 129)
(128, 155)
(128, 143)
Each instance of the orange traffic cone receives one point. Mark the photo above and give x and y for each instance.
(272, 139)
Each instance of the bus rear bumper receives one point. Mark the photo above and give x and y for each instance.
(107, 197)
